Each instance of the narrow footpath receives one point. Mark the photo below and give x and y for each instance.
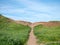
(32, 39)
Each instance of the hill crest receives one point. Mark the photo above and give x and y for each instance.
(50, 23)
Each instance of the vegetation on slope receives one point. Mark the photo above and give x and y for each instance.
(47, 34)
(53, 44)
(12, 33)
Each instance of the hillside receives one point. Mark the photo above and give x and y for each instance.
(12, 33)
(50, 23)
(47, 33)
(5, 18)
(23, 23)
(10, 20)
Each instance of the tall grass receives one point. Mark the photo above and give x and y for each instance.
(12, 33)
(47, 34)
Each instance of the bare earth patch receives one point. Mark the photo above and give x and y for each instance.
(32, 39)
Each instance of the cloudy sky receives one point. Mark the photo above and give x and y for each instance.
(31, 10)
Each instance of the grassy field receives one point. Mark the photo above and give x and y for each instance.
(12, 33)
(53, 44)
(47, 34)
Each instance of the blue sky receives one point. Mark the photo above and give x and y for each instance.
(31, 10)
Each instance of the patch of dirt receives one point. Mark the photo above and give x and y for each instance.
(32, 39)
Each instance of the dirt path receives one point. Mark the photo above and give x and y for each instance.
(32, 39)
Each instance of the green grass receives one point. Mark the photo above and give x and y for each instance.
(47, 34)
(53, 44)
(12, 33)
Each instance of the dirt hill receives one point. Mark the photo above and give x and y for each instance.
(50, 23)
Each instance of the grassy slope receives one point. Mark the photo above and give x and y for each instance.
(12, 33)
(47, 34)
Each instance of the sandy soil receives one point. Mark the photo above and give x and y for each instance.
(32, 39)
